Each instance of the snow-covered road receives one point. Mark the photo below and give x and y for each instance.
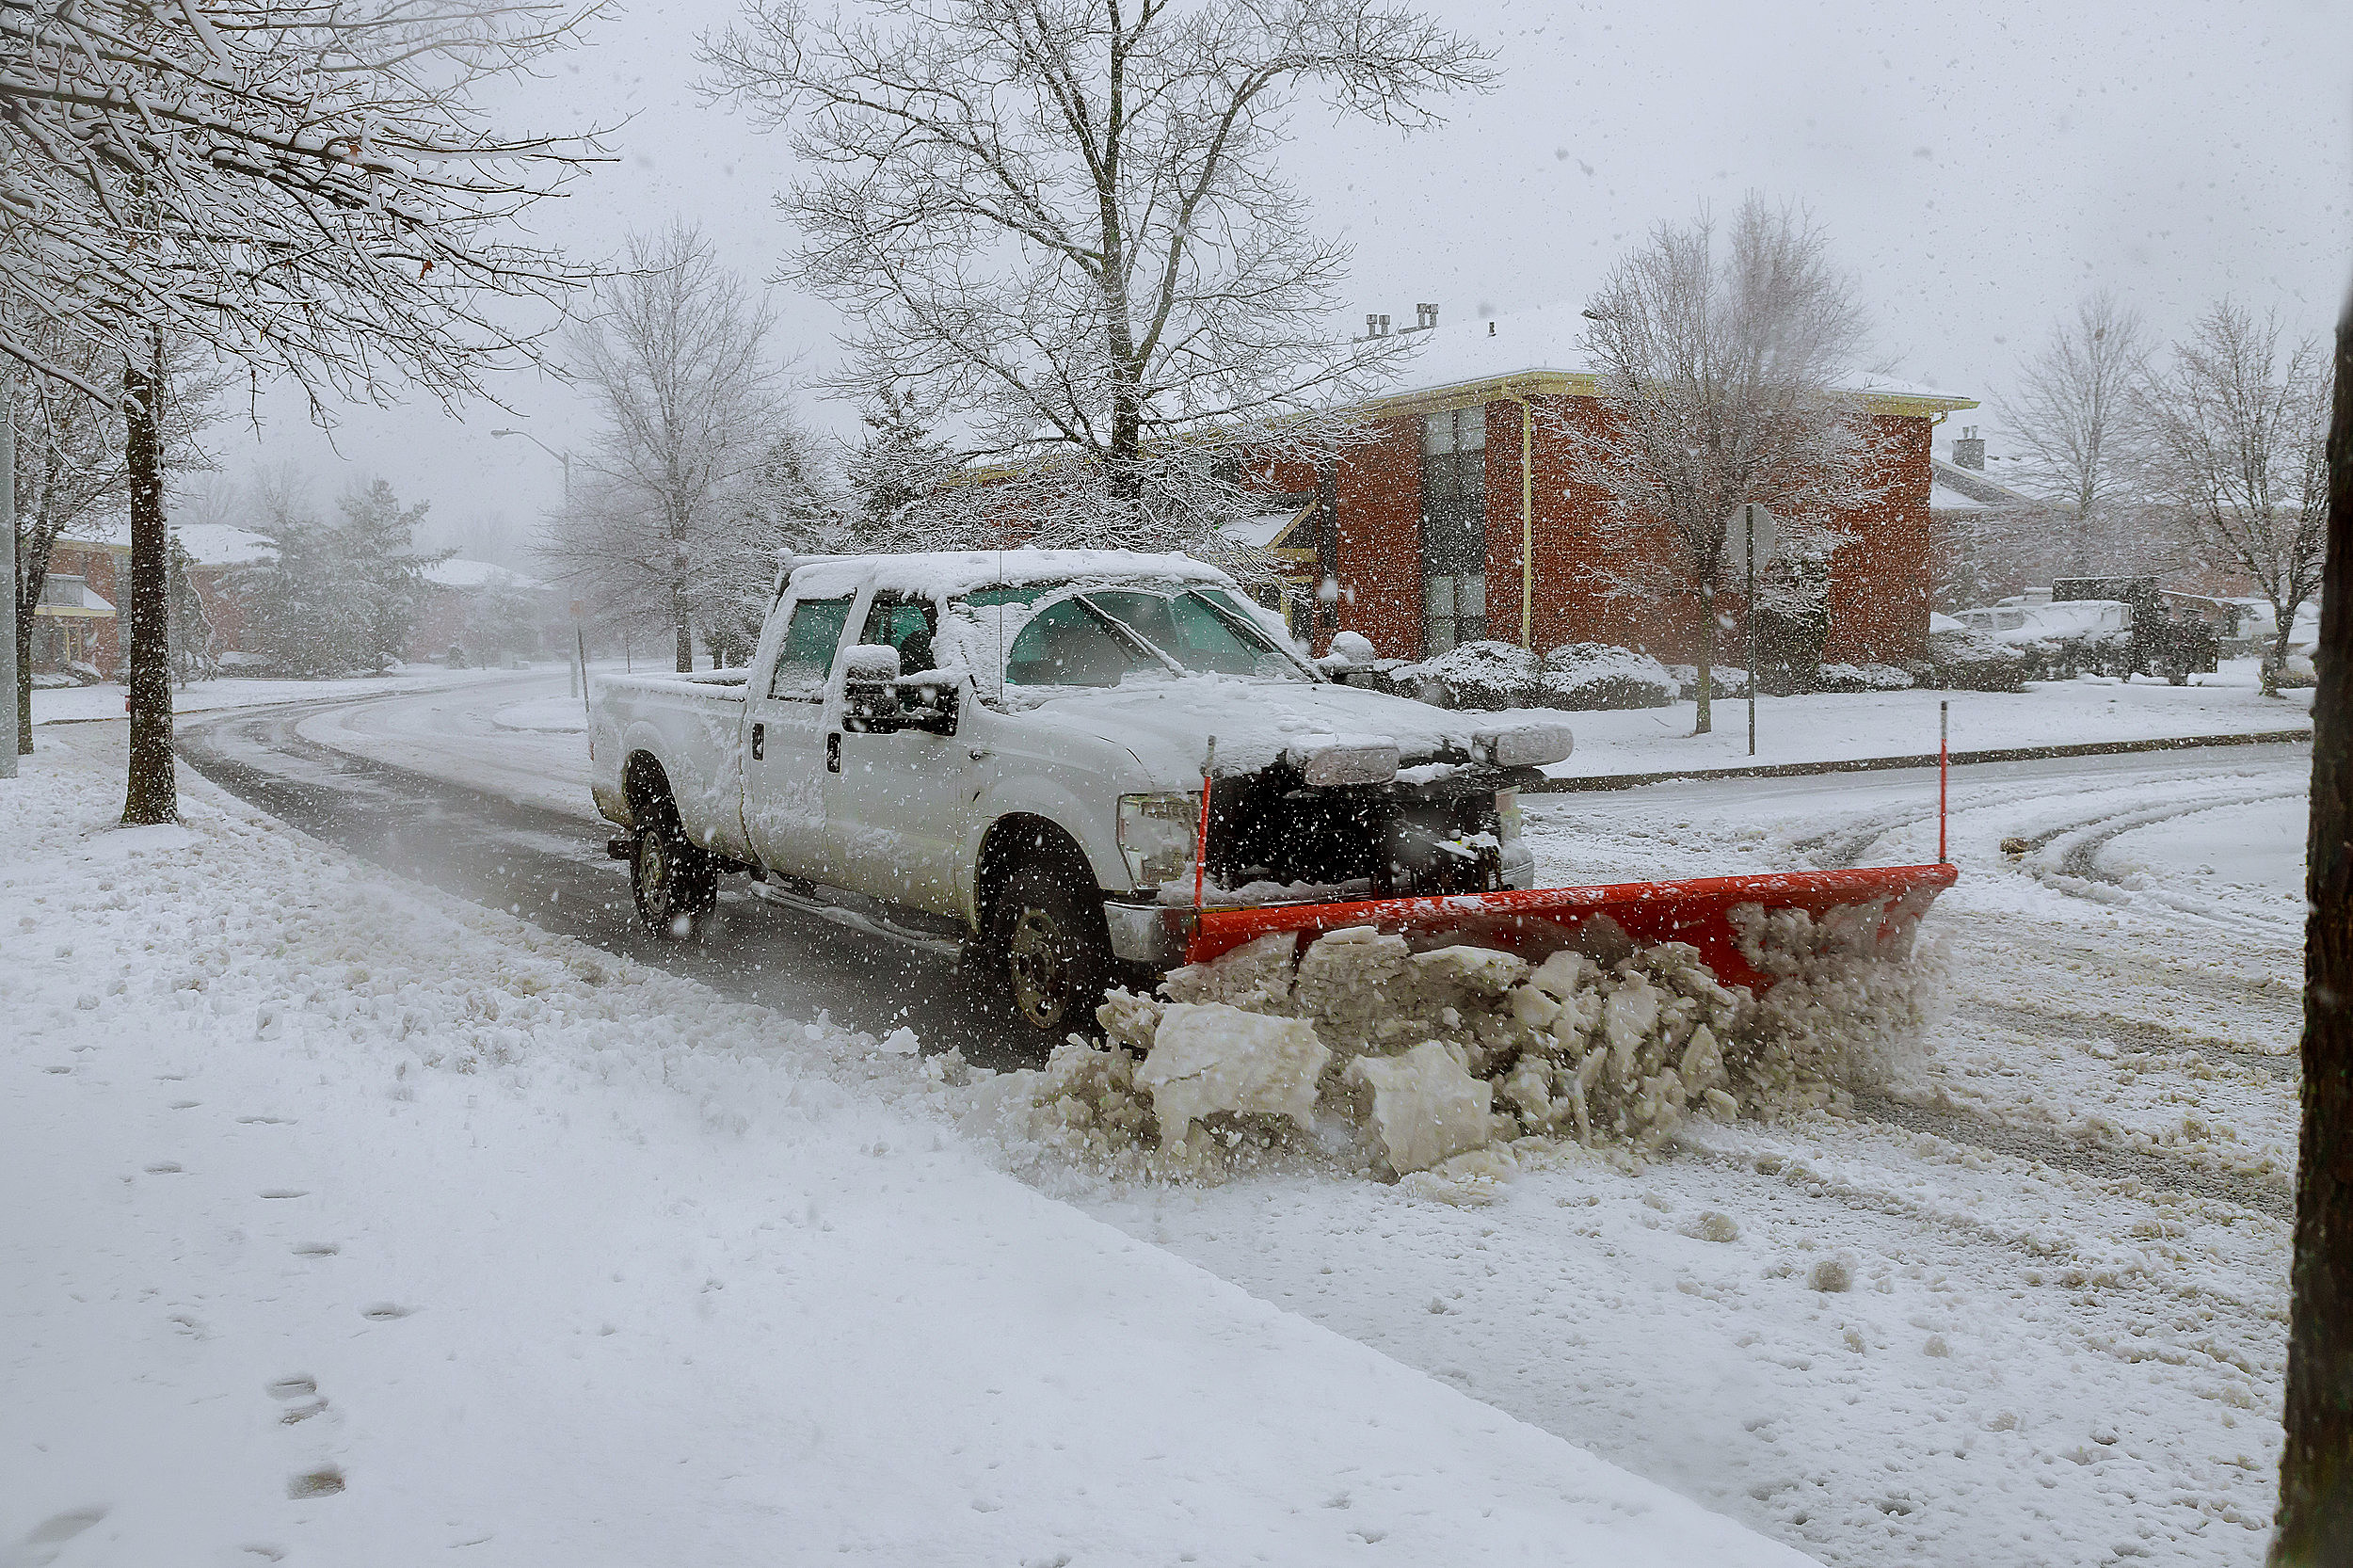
(2062, 1232)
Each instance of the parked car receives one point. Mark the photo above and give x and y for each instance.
(1009, 748)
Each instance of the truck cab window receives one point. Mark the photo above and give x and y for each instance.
(805, 659)
(907, 625)
(1064, 646)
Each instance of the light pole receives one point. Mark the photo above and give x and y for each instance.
(563, 458)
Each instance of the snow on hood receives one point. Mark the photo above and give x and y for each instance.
(1167, 723)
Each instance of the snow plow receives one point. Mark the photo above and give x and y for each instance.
(1885, 904)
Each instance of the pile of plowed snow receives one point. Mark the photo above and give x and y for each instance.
(1364, 1052)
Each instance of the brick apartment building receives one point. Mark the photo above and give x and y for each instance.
(1421, 526)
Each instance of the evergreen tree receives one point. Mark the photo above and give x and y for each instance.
(383, 577)
(898, 464)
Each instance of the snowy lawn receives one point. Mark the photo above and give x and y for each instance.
(1839, 726)
(105, 700)
(354, 1223)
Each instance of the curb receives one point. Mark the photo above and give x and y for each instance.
(1922, 760)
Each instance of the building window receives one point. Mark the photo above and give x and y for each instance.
(1453, 529)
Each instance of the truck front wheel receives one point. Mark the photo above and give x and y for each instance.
(1056, 954)
(671, 878)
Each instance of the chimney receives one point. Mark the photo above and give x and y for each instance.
(1969, 449)
(1385, 326)
(1425, 317)
(1373, 325)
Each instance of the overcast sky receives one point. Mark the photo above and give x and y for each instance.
(1980, 169)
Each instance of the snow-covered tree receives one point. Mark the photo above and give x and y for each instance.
(70, 472)
(311, 187)
(898, 464)
(1063, 219)
(2233, 432)
(1723, 365)
(383, 578)
(2072, 416)
(333, 597)
(682, 490)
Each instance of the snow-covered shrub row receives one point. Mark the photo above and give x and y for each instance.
(1591, 677)
(1490, 676)
(1392, 1061)
(1862, 678)
(1964, 659)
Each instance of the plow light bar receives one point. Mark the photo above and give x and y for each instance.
(1528, 746)
(1324, 759)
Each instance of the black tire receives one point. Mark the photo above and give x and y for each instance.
(1051, 950)
(671, 878)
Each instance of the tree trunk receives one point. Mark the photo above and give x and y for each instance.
(1707, 664)
(683, 631)
(153, 795)
(2278, 659)
(2316, 1518)
(25, 678)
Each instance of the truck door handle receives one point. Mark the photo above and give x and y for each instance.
(833, 751)
(760, 739)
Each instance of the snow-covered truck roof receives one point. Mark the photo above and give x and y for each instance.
(950, 574)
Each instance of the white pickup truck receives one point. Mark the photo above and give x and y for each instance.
(1009, 748)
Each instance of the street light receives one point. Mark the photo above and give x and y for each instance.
(563, 458)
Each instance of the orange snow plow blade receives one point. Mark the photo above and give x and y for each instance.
(1537, 921)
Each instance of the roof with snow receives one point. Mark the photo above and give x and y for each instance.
(1546, 346)
(459, 572)
(1969, 489)
(945, 574)
(208, 544)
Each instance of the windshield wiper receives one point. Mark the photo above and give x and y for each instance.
(1121, 629)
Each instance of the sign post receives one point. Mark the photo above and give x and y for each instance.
(1749, 539)
(580, 664)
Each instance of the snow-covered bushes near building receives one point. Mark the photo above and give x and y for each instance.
(1591, 677)
(1485, 676)
(1862, 678)
(1964, 659)
(1490, 676)
(1390, 1061)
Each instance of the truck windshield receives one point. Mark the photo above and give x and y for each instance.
(1104, 636)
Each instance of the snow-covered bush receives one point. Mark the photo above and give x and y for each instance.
(1490, 676)
(1862, 678)
(1392, 1061)
(1484, 676)
(1964, 659)
(1586, 677)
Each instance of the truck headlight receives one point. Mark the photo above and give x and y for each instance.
(1508, 815)
(1155, 834)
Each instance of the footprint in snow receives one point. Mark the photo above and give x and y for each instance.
(42, 1543)
(284, 1192)
(301, 1397)
(324, 1481)
(163, 1167)
(316, 1249)
(384, 1312)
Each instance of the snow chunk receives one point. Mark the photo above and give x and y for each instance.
(1426, 1106)
(1209, 1057)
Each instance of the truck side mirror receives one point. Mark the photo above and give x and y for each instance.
(870, 695)
(932, 701)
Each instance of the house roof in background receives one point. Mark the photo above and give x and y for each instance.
(459, 572)
(1974, 488)
(1546, 346)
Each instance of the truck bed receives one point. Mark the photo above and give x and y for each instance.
(694, 725)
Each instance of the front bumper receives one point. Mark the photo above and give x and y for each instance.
(1153, 933)
(1156, 935)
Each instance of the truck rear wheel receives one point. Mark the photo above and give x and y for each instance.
(1051, 949)
(671, 878)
